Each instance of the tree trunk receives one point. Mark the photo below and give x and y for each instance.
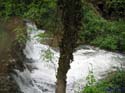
(70, 11)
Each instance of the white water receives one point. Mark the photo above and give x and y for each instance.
(41, 77)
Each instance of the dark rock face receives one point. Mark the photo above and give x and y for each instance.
(110, 9)
(7, 84)
(11, 56)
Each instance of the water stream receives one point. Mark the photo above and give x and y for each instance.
(40, 75)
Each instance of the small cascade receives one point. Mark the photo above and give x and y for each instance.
(40, 75)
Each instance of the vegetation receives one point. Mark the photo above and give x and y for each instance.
(116, 8)
(103, 25)
(40, 11)
(101, 32)
(20, 35)
(110, 9)
(113, 83)
(48, 55)
(98, 31)
(90, 78)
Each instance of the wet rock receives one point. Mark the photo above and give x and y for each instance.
(11, 55)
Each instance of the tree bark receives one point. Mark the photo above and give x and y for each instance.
(70, 11)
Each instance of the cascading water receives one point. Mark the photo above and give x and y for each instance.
(40, 75)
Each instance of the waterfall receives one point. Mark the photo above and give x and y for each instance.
(40, 75)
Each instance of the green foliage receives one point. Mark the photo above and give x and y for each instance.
(11, 8)
(116, 8)
(96, 30)
(90, 78)
(113, 83)
(20, 35)
(92, 89)
(43, 36)
(40, 11)
(101, 32)
(90, 82)
(47, 55)
(107, 42)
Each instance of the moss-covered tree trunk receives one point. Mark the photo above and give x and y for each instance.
(70, 11)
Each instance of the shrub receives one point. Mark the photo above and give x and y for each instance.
(101, 32)
(113, 83)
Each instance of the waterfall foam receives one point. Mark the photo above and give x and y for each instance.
(42, 77)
